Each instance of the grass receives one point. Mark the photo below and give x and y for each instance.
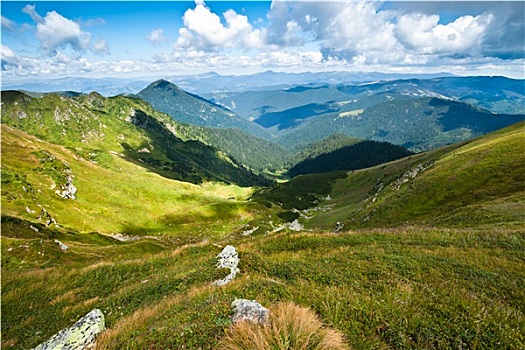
(134, 202)
(390, 288)
(403, 287)
(290, 327)
(475, 183)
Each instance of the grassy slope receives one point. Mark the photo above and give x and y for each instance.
(124, 198)
(92, 124)
(470, 184)
(398, 288)
(404, 287)
(481, 182)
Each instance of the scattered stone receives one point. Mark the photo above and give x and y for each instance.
(63, 247)
(295, 226)
(46, 217)
(338, 226)
(34, 228)
(228, 259)
(21, 114)
(124, 238)
(81, 336)
(249, 232)
(68, 190)
(250, 310)
(411, 174)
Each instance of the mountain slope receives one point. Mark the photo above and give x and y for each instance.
(256, 153)
(361, 155)
(469, 184)
(94, 127)
(113, 195)
(192, 109)
(418, 124)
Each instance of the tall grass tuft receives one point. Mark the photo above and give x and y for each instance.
(290, 327)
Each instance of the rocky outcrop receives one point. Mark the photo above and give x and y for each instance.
(249, 310)
(81, 336)
(228, 259)
(67, 190)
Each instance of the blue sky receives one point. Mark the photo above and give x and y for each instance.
(49, 39)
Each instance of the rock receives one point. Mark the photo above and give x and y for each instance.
(46, 217)
(228, 259)
(295, 226)
(63, 247)
(68, 190)
(250, 310)
(338, 226)
(249, 232)
(80, 336)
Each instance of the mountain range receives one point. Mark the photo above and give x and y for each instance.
(421, 114)
(206, 83)
(385, 210)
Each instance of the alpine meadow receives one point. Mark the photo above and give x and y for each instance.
(262, 175)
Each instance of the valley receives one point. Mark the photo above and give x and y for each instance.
(394, 210)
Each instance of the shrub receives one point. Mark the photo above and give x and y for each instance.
(290, 327)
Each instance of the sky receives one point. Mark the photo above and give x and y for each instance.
(50, 39)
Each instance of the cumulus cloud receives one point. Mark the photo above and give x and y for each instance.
(424, 35)
(156, 36)
(372, 33)
(55, 31)
(31, 11)
(101, 47)
(7, 23)
(204, 30)
(302, 35)
(6, 52)
(344, 30)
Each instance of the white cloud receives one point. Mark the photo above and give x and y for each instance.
(204, 30)
(93, 22)
(101, 47)
(55, 31)
(343, 30)
(364, 32)
(6, 52)
(156, 36)
(31, 11)
(7, 23)
(297, 36)
(424, 35)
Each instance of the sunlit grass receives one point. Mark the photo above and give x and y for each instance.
(391, 288)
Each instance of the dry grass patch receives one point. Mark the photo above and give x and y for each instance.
(290, 327)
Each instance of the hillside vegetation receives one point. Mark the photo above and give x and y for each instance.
(361, 155)
(469, 184)
(189, 108)
(124, 198)
(95, 127)
(422, 252)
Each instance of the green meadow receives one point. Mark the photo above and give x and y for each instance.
(436, 261)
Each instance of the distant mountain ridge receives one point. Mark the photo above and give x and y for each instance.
(421, 114)
(185, 107)
(206, 83)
